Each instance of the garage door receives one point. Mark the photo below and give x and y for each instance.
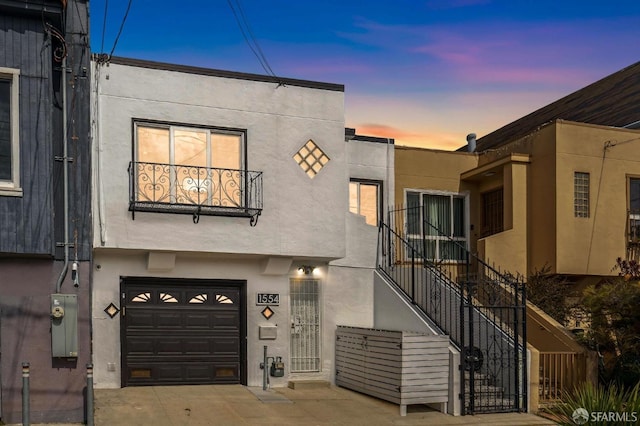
(182, 332)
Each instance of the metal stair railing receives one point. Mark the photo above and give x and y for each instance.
(482, 310)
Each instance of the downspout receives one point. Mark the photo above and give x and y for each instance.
(65, 177)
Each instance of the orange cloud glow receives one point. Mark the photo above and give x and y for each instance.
(432, 140)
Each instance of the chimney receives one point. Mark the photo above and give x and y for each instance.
(471, 142)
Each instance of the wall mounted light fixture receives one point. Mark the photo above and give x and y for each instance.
(306, 269)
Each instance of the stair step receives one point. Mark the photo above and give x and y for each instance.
(308, 384)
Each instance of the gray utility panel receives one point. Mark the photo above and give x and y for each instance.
(64, 325)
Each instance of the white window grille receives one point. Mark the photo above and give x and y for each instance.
(305, 325)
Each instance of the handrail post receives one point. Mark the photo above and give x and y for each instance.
(413, 275)
(89, 394)
(25, 394)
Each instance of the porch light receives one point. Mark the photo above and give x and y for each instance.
(306, 269)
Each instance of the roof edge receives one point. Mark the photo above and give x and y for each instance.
(143, 63)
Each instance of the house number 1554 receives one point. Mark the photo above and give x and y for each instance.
(268, 299)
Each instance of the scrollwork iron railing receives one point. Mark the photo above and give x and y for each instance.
(173, 188)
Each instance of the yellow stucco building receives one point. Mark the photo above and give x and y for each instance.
(557, 189)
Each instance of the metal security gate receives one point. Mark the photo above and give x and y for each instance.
(493, 354)
(305, 325)
(183, 331)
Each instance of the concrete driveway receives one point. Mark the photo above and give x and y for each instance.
(239, 405)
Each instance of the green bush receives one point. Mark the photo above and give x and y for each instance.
(599, 399)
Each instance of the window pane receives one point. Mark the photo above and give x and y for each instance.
(458, 217)
(5, 130)
(369, 203)
(437, 214)
(226, 154)
(492, 220)
(153, 180)
(581, 194)
(413, 213)
(190, 148)
(634, 195)
(193, 183)
(226, 151)
(353, 197)
(452, 250)
(153, 145)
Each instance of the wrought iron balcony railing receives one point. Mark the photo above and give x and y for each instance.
(172, 188)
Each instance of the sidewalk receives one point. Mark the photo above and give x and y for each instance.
(238, 405)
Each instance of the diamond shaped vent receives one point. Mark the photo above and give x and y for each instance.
(311, 158)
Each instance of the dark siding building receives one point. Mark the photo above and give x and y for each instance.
(45, 222)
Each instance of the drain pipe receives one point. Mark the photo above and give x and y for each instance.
(65, 177)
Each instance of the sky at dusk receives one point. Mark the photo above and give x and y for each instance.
(425, 73)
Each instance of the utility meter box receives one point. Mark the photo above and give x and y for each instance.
(64, 325)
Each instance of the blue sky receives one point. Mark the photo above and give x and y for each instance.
(423, 72)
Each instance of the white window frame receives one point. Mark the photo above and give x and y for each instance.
(465, 239)
(581, 194)
(12, 187)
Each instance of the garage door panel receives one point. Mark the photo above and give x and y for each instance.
(226, 320)
(141, 319)
(170, 320)
(198, 320)
(140, 346)
(181, 335)
(225, 346)
(183, 373)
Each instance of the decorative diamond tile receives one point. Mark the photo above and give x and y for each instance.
(267, 312)
(111, 310)
(311, 158)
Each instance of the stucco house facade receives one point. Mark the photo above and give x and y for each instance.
(223, 224)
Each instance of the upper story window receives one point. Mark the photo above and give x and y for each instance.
(9, 132)
(634, 210)
(364, 199)
(492, 220)
(436, 224)
(581, 194)
(187, 169)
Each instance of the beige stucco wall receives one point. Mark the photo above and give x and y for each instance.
(417, 168)
(591, 245)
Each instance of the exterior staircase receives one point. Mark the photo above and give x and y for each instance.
(481, 310)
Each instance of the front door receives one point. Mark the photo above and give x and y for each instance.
(305, 325)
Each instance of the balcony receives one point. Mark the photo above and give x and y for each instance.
(194, 190)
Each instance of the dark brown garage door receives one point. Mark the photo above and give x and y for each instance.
(182, 331)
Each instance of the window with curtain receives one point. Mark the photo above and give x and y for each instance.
(436, 225)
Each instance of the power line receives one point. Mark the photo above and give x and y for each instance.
(104, 24)
(124, 19)
(257, 51)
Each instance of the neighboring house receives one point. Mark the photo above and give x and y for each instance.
(559, 187)
(223, 224)
(45, 220)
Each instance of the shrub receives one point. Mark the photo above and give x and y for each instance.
(612, 399)
(549, 293)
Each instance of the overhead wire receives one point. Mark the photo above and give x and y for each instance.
(124, 19)
(253, 43)
(104, 24)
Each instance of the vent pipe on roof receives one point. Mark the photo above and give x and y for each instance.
(471, 142)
